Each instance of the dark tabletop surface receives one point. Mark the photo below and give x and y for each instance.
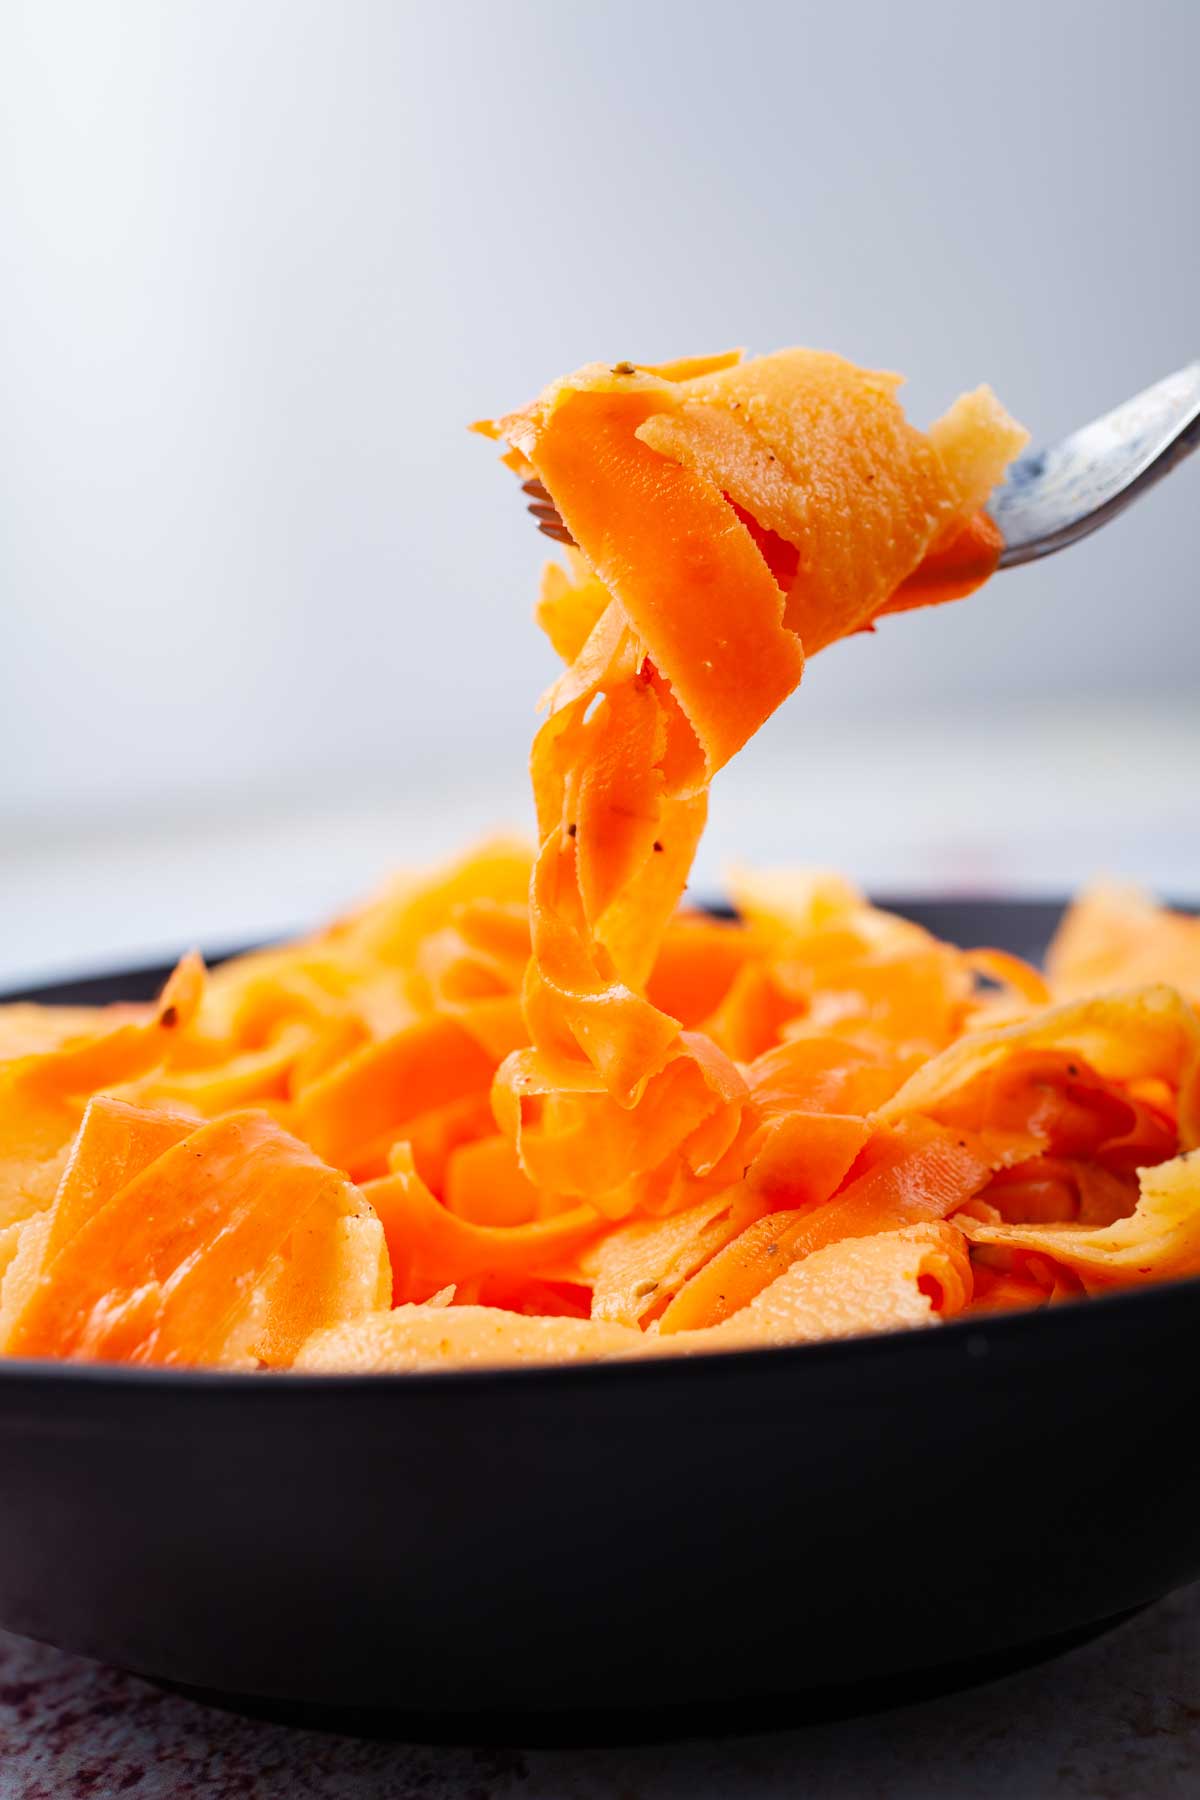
(1116, 1720)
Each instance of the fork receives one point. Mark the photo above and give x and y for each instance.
(1054, 497)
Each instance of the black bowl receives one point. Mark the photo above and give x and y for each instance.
(617, 1549)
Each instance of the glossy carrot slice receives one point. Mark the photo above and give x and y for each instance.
(908, 1177)
(696, 965)
(804, 1157)
(893, 1281)
(885, 1282)
(431, 1247)
(42, 1096)
(954, 571)
(820, 453)
(1158, 1241)
(371, 1095)
(636, 1269)
(116, 1142)
(486, 1185)
(158, 1273)
(654, 532)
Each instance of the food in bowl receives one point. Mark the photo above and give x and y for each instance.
(527, 1108)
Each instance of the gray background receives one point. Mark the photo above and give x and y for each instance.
(260, 263)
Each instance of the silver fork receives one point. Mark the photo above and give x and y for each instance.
(1056, 496)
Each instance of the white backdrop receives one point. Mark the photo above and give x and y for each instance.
(262, 260)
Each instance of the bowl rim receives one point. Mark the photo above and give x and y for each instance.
(974, 1338)
(44, 985)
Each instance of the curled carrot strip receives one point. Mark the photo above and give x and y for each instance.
(905, 1177)
(158, 1273)
(431, 1246)
(369, 1097)
(42, 1095)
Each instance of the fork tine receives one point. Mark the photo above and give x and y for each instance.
(549, 520)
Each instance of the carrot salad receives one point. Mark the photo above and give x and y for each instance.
(526, 1107)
